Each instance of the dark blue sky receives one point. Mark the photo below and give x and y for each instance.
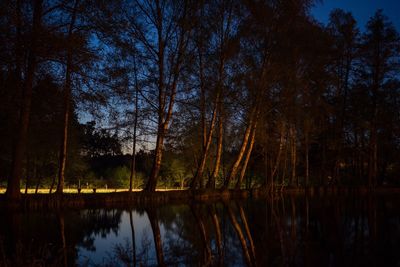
(362, 10)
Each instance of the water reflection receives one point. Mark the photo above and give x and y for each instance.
(284, 231)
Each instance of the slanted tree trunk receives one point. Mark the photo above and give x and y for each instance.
(247, 158)
(14, 181)
(67, 103)
(235, 166)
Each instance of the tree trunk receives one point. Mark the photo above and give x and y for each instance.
(152, 182)
(164, 116)
(38, 180)
(198, 177)
(67, 103)
(285, 160)
(217, 164)
(248, 154)
(53, 182)
(373, 158)
(64, 141)
(266, 182)
(202, 101)
(235, 166)
(307, 167)
(133, 162)
(278, 157)
(13, 185)
(29, 172)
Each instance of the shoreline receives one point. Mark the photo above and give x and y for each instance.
(43, 201)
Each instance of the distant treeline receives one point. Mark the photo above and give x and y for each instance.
(213, 93)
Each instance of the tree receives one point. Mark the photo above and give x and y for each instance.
(67, 98)
(170, 22)
(343, 30)
(380, 54)
(26, 85)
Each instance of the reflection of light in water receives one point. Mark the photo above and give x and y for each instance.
(105, 245)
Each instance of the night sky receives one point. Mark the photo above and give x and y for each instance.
(362, 10)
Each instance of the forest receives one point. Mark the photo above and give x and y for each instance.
(216, 94)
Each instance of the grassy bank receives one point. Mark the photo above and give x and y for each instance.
(84, 190)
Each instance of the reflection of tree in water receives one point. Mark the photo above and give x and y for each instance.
(27, 241)
(51, 239)
(186, 239)
(199, 234)
(283, 231)
(94, 223)
(179, 233)
(243, 233)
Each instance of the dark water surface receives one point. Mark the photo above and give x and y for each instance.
(286, 231)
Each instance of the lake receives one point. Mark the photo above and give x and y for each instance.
(284, 231)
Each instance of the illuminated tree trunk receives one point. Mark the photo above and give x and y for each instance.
(235, 166)
(247, 158)
(152, 182)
